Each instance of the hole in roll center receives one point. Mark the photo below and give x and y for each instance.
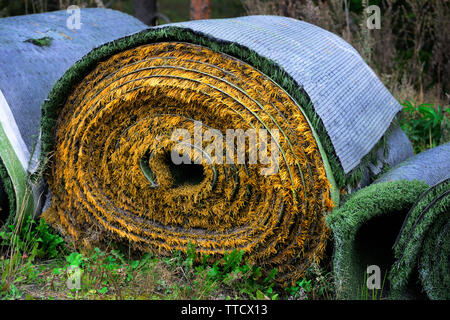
(185, 173)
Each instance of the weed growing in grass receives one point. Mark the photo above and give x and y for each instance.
(247, 279)
(19, 248)
(30, 235)
(300, 290)
(425, 125)
(38, 266)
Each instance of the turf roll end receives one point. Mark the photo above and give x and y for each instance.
(365, 229)
(423, 246)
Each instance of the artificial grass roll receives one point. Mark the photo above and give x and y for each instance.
(392, 224)
(35, 51)
(107, 131)
(423, 245)
(364, 230)
(7, 198)
(430, 166)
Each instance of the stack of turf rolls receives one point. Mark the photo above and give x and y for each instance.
(400, 223)
(105, 139)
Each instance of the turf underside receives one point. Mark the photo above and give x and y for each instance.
(79, 70)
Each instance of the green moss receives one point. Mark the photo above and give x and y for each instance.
(41, 42)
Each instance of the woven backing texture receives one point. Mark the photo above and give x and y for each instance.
(431, 166)
(355, 107)
(28, 71)
(399, 147)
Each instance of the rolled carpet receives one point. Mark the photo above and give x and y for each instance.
(400, 219)
(35, 51)
(107, 129)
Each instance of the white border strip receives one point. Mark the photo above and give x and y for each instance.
(9, 125)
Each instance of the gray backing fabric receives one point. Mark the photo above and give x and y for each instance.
(430, 166)
(399, 148)
(355, 107)
(28, 71)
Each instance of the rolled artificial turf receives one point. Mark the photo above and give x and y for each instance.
(107, 132)
(102, 139)
(120, 119)
(364, 230)
(399, 223)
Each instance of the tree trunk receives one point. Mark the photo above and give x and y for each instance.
(200, 9)
(283, 7)
(145, 10)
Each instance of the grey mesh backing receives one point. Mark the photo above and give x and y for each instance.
(355, 107)
(430, 166)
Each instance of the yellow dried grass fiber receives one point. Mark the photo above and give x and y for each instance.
(127, 108)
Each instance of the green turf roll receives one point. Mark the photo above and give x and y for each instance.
(400, 224)
(423, 246)
(35, 50)
(364, 229)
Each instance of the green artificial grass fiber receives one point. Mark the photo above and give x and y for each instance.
(365, 229)
(41, 42)
(423, 247)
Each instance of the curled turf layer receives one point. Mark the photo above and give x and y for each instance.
(423, 245)
(400, 224)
